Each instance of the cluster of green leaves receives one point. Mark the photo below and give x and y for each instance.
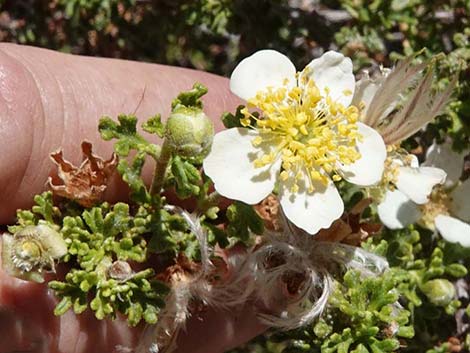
(382, 31)
(363, 316)
(96, 238)
(432, 267)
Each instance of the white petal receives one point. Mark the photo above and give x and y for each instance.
(397, 211)
(413, 160)
(369, 168)
(442, 156)
(263, 69)
(453, 230)
(230, 166)
(366, 88)
(333, 71)
(311, 211)
(417, 183)
(460, 206)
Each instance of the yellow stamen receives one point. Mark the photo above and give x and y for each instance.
(312, 134)
(439, 204)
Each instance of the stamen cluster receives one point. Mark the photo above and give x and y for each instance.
(311, 133)
(439, 204)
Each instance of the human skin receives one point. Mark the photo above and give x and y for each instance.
(49, 101)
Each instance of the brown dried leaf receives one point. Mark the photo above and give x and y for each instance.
(84, 184)
(268, 210)
(182, 268)
(349, 229)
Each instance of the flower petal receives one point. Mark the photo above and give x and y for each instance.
(263, 69)
(365, 91)
(442, 156)
(460, 206)
(231, 168)
(417, 183)
(397, 211)
(311, 211)
(333, 71)
(453, 230)
(369, 168)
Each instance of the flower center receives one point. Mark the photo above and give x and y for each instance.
(312, 134)
(26, 255)
(439, 204)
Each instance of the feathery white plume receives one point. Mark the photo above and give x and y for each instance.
(400, 101)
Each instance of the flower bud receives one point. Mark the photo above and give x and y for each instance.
(189, 132)
(439, 291)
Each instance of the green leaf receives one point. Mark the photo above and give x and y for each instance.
(191, 98)
(243, 220)
(187, 178)
(62, 307)
(215, 234)
(45, 206)
(233, 120)
(155, 126)
(456, 270)
(94, 220)
(117, 221)
(150, 314)
(126, 134)
(80, 304)
(131, 174)
(134, 314)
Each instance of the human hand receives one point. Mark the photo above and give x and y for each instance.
(49, 101)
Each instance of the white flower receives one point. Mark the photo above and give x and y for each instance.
(397, 103)
(307, 132)
(447, 211)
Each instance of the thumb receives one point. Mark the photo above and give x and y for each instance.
(50, 100)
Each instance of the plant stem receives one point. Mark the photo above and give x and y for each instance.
(160, 169)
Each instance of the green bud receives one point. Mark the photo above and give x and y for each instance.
(189, 132)
(439, 291)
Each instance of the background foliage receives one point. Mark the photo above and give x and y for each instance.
(214, 35)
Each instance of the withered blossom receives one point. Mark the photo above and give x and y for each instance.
(86, 183)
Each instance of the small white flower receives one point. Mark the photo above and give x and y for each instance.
(447, 211)
(307, 132)
(397, 103)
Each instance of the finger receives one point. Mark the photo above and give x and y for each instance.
(217, 331)
(50, 100)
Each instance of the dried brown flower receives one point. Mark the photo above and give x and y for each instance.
(84, 184)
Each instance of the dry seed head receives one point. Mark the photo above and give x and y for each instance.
(31, 251)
